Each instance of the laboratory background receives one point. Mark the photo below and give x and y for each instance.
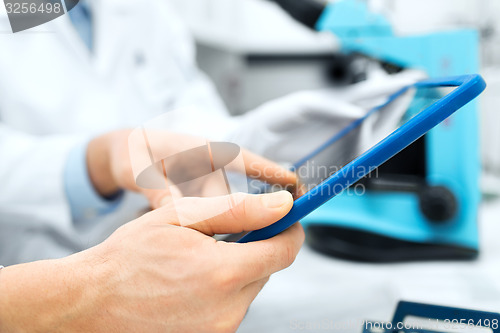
(255, 51)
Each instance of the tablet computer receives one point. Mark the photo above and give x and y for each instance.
(346, 158)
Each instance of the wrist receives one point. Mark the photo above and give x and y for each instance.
(99, 166)
(51, 296)
(33, 296)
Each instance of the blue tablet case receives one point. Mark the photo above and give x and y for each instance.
(468, 88)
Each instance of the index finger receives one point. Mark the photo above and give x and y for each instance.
(258, 260)
(261, 168)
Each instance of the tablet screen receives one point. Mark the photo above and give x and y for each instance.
(361, 135)
(355, 139)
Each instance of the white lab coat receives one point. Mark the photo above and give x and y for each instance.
(54, 94)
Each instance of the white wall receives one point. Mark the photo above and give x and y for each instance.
(250, 25)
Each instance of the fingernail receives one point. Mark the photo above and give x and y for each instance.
(277, 199)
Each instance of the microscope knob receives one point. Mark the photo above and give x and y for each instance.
(438, 203)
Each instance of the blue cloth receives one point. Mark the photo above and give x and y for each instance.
(81, 17)
(85, 202)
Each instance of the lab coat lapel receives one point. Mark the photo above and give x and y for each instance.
(70, 38)
(111, 27)
(113, 24)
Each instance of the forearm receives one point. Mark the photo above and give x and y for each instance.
(47, 296)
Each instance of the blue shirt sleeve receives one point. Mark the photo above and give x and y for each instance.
(84, 201)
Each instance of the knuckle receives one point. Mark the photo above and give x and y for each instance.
(282, 256)
(237, 207)
(259, 269)
(226, 279)
(225, 325)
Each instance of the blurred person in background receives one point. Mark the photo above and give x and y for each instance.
(68, 87)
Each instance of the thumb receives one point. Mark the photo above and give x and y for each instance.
(233, 213)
